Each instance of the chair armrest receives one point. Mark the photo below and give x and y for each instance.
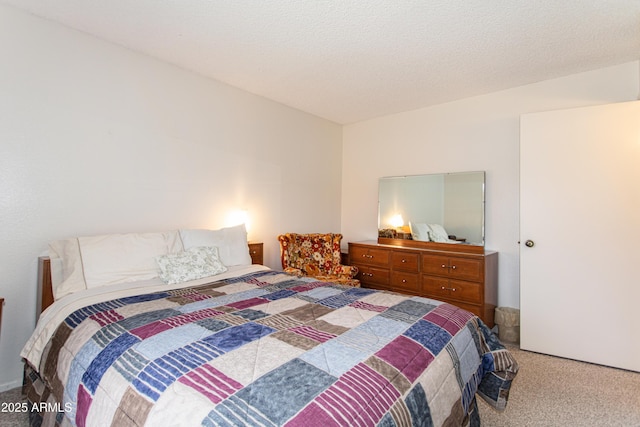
(346, 270)
(294, 271)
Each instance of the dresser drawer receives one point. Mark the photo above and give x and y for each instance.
(369, 256)
(409, 282)
(373, 275)
(436, 265)
(441, 288)
(453, 267)
(405, 261)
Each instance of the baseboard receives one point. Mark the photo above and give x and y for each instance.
(10, 385)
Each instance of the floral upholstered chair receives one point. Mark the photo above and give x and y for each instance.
(316, 255)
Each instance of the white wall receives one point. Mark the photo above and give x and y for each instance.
(479, 133)
(95, 138)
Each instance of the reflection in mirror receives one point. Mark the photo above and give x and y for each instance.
(447, 208)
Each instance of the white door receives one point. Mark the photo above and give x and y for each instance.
(580, 209)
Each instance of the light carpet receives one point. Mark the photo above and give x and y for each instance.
(551, 391)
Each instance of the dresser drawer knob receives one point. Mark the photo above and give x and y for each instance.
(404, 260)
(404, 280)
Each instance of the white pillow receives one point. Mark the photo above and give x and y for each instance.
(419, 231)
(438, 233)
(89, 262)
(67, 274)
(195, 263)
(118, 258)
(231, 243)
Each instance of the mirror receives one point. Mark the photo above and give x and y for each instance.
(451, 203)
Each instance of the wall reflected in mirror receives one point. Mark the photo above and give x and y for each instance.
(446, 208)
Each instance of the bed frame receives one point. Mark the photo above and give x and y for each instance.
(45, 290)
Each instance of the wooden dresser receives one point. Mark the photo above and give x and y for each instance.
(468, 280)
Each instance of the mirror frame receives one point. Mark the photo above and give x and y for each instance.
(465, 248)
(419, 244)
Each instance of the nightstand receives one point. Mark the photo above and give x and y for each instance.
(256, 252)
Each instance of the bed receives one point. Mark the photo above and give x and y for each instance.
(247, 345)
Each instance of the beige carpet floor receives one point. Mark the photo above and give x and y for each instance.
(9, 417)
(551, 391)
(548, 391)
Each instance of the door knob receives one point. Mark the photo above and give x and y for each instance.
(529, 243)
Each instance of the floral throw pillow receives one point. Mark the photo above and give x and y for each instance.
(195, 263)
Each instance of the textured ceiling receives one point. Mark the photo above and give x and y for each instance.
(349, 61)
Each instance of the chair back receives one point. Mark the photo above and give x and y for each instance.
(311, 253)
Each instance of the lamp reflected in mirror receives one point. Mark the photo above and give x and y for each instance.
(396, 221)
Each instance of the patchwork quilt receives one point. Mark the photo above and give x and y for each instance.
(271, 349)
